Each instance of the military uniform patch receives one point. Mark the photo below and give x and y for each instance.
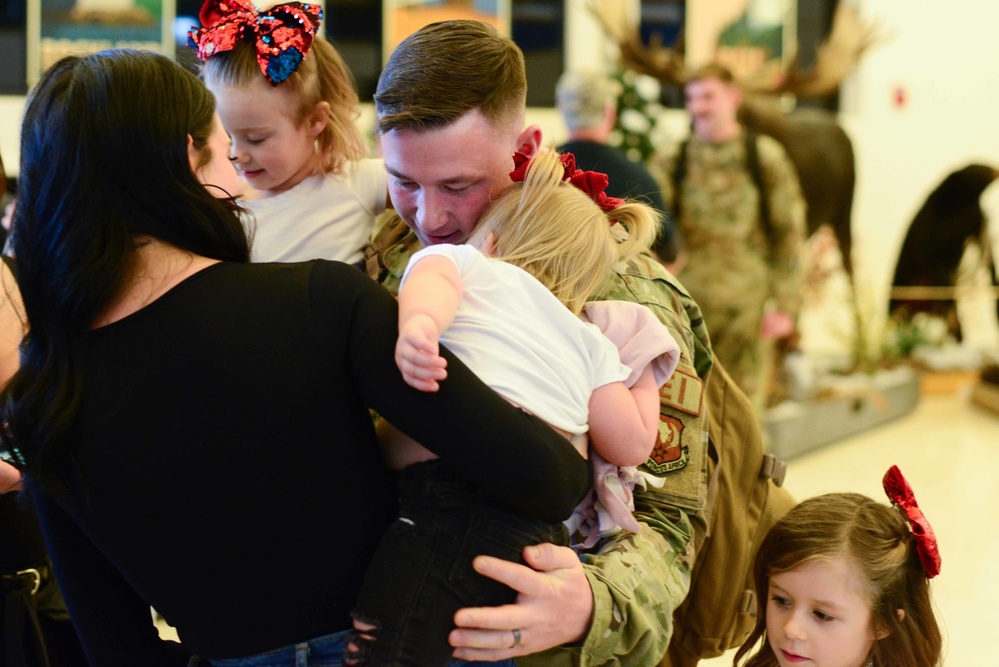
(683, 392)
(669, 453)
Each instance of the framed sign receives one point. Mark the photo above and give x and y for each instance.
(761, 40)
(401, 18)
(57, 28)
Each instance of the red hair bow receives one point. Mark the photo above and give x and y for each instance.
(593, 183)
(282, 35)
(901, 496)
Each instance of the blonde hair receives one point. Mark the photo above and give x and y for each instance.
(556, 232)
(322, 76)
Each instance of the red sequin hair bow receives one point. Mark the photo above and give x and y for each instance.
(901, 496)
(593, 183)
(282, 35)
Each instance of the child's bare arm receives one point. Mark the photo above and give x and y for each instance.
(428, 301)
(624, 423)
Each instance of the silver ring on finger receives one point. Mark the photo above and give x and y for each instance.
(516, 637)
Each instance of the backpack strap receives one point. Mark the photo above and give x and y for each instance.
(679, 173)
(756, 173)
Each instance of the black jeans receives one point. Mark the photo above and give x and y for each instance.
(422, 571)
(35, 628)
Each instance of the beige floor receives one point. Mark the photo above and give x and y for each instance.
(948, 448)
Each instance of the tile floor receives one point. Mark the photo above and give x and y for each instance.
(948, 448)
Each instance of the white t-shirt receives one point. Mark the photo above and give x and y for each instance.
(323, 217)
(523, 342)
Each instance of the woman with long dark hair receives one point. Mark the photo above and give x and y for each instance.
(195, 429)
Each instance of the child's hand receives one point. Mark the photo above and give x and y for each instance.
(417, 354)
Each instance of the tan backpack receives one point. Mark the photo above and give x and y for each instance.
(745, 499)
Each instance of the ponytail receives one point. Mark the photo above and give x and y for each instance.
(340, 142)
(641, 225)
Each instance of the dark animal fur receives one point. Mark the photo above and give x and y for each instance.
(948, 221)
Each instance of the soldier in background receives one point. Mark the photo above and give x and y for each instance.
(738, 206)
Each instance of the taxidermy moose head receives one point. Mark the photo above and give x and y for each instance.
(819, 148)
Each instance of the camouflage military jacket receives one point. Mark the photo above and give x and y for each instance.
(720, 222)
(637, 579)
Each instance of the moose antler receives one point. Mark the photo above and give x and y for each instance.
(653, 59)
(848, 40)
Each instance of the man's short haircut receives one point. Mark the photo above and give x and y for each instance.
(446, 69)
(582, 97)
(712, 71)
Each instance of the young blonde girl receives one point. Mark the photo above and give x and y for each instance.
(843, 581)
(514, 319)
(287, 100)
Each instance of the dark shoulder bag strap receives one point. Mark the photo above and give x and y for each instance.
(679, 173)
(756, 173)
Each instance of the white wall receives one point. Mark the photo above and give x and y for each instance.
(11, 108)
(943, 54)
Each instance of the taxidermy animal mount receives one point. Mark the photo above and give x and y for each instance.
(819, 148)
(949, 220)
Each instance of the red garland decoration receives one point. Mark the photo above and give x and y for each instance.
(902, 497)
(282, 35)
(593, 183)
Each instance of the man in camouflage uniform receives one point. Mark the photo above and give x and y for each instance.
(745, 272)
(450, 111)
(633, 582)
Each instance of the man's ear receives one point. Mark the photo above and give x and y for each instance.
(529, 140)
(610, 115)
(318, 118)
(736, 93)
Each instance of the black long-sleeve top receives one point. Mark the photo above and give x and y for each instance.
(233, 475)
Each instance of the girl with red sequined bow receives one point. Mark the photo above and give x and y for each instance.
(843, 581)
(508, 303)
(287, 100)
